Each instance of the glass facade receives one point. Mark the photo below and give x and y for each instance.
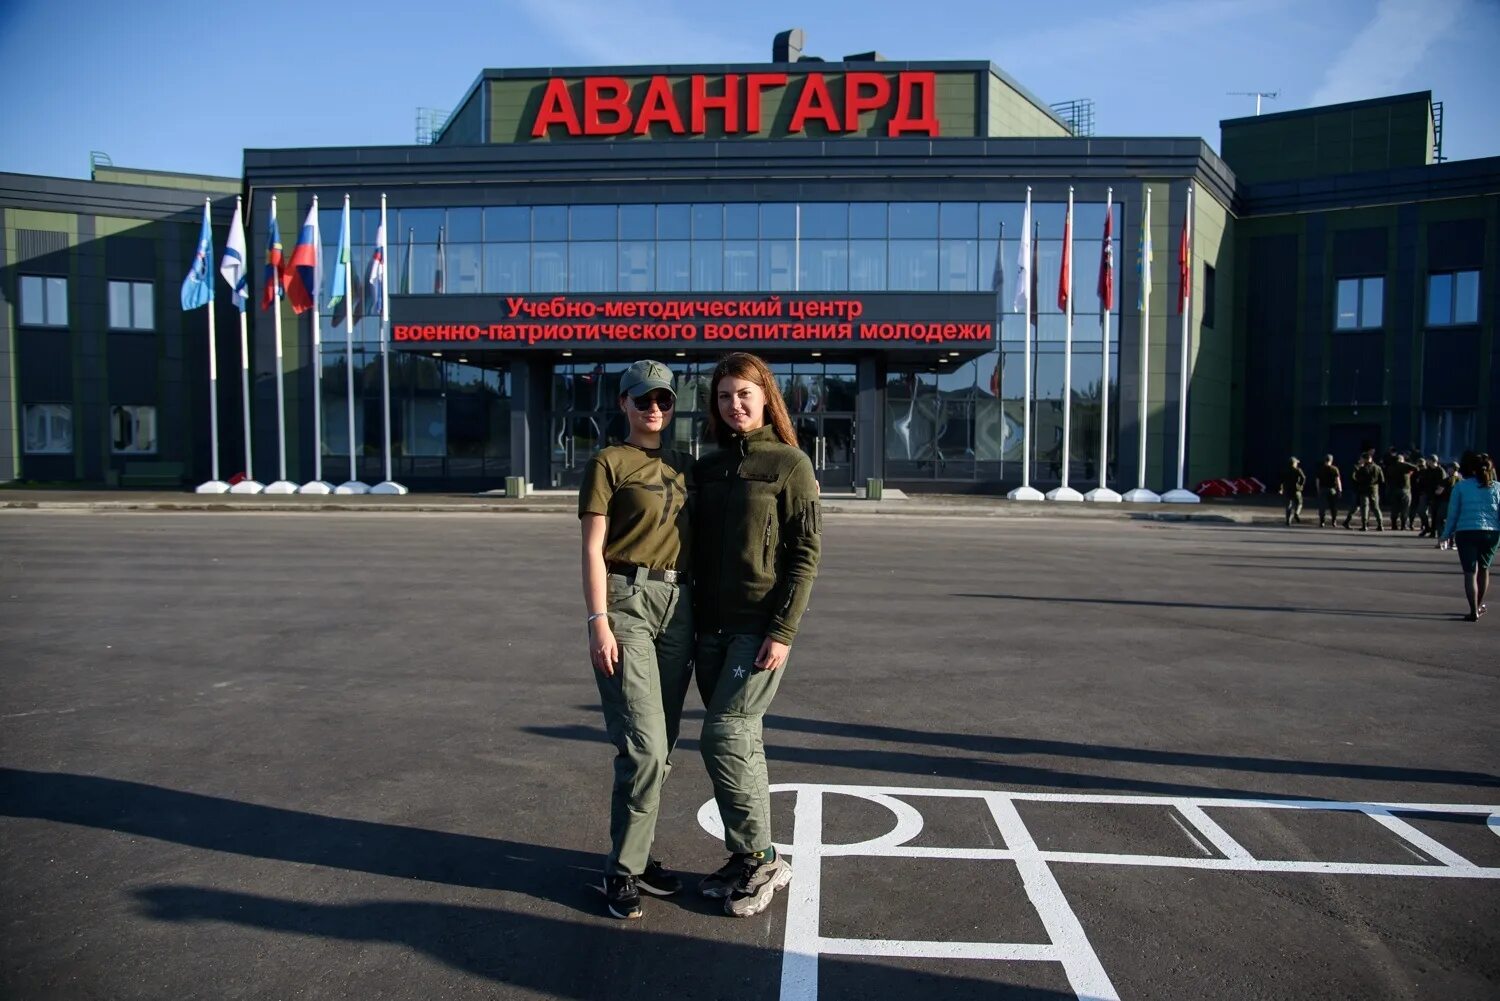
(450, 419)
(725, 247)
(963, 425)
(967, 424)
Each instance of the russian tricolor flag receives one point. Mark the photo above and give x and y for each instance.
(271, 289)
(303, 276)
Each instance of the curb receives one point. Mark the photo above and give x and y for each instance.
(999, 509)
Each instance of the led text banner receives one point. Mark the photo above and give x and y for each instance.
(951, 321)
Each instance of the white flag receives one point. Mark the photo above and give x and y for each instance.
(1021, 301)
(232, 264)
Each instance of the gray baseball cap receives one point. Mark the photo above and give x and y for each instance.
(644, 376)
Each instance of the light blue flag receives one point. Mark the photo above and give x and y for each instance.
(341, 267)
(198, 286)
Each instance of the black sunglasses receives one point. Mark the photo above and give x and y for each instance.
(663, 400)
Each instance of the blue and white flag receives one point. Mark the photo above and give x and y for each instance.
(340, 286)
(232, 264)
(198, 287)
(375, 277)
(1022, 301)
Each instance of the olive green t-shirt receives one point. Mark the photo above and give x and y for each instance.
(643, 493)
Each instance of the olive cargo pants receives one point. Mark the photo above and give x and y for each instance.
(736, 697)
(653, 625)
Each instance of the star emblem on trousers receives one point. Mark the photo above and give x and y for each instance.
(739, 672)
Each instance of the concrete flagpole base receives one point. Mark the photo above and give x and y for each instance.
(1180, 497)
(281, 487)
(1026, 494)
(248, 487)
(315, 487)
(388, 487)
(1140, 495)
(1065, 494)
(352, 487)
(1102, 495)
(212, 487)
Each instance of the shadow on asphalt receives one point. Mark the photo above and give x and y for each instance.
(559, 958)
(227, 825)
(1324, 567)
(888, 756)
(1294, 609)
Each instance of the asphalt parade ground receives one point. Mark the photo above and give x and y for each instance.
(360, 756)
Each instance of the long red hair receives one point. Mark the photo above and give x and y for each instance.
(743, 365)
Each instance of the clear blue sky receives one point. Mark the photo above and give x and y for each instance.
(174, 85)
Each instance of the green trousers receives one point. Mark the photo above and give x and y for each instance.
(735, 698)
(653, 625)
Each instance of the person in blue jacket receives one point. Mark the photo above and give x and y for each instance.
(1473, 523)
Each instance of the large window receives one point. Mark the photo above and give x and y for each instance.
(1448, 431)
(44, 301)
(746, 247)
(131, 306)
(1452, 298)
(49, 428)
(1360, 303)
(132, 430)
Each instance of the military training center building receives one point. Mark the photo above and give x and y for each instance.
(843, 220)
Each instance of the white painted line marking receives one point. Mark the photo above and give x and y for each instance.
(1001, 951)
(1217, 836)
(799, 958)
(1069, 946)
(1403, 830)
(1191, 836)
(1079, 961)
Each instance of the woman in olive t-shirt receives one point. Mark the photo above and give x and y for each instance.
(636, 541)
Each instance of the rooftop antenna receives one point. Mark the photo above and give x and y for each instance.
(1257, 94)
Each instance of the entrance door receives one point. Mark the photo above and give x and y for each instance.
(585, 415)
(820, 398)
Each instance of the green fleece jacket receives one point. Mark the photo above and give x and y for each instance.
(756, 544)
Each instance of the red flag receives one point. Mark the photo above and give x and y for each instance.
(1065, 276)
(1107, 262)
(1184, 271)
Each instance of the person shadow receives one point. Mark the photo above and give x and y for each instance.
(579, 955)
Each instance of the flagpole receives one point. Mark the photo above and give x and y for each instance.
(1140, 495)
(214, 484)
(1026, 260)
(1102, 493)
(1182, 495)
(282, 484)
(317, 485)
(388, 485)
(346, 262)
(233, 270)
(1065, 282)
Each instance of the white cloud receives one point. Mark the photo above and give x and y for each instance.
(1384, 53)
(623, 34)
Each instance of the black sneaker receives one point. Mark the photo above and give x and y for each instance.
(717, 884)
(657, 881)
(621, 896)
(757, 885)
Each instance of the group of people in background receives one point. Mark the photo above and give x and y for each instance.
(1456, 503)
(1410, 489)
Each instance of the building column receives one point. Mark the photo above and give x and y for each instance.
(869, 431)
